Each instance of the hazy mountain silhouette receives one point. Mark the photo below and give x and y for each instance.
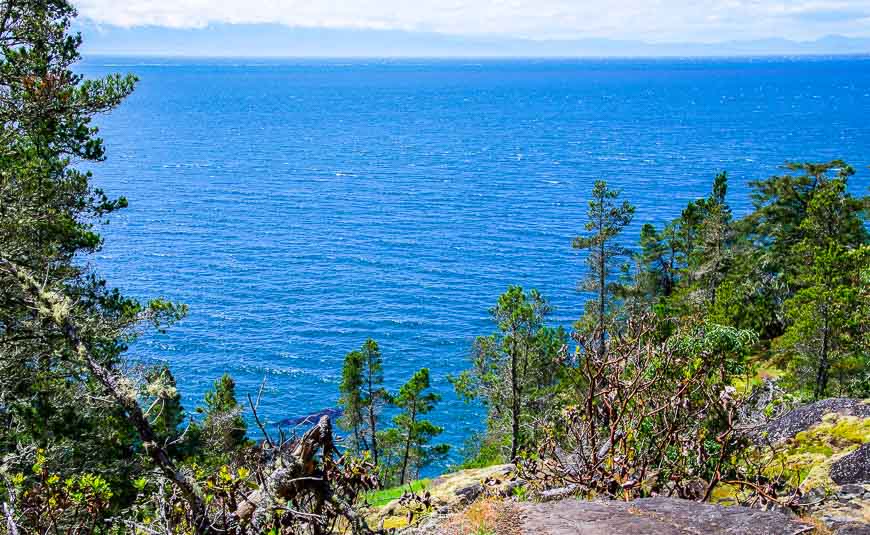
(268, 40)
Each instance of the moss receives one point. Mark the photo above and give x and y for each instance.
(849, 430)
(805, 461)
(395, 522)
(725, 494)
(385, 503)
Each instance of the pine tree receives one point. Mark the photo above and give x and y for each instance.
(351, 400)
(658, 259)
(710, 256)
(781, 203)
(164, 402)
(513, 368)
(376, 395)
(50, 214)
(363, 397)
(607, 219)
(416, 433)
(224, 429)
(821, 327)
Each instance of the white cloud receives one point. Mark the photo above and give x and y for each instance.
(655, 20)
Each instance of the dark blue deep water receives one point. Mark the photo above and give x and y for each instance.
(299, 207)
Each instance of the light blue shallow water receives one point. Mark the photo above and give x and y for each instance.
(299, 207)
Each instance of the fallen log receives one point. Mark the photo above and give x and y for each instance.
(298, 469)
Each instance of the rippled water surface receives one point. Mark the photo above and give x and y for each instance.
(299, 207)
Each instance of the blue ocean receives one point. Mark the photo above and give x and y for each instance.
(301, 206)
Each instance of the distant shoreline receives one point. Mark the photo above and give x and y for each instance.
(492, 59)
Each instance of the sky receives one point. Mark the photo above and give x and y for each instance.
(654, 21)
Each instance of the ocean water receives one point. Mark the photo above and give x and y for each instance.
(300, 206)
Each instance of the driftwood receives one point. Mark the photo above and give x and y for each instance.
(294, 473)
(299, 466)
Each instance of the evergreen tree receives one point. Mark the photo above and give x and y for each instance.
(416, 433)
(49, 219)
(821, 327)
(711, 255)
(351, 400)
(363, 396)
(164, 402)
(781, 203)
(513, 368)
(224, 429)
(375, 396)
(607, 219)
(657, 260)
(166, 414)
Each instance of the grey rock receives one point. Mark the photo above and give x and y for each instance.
(471, 493)
(853, 468)
(806, 416)
(659, 516)
(508, 488)
(851, 491)
(853, 528)
(557, 494)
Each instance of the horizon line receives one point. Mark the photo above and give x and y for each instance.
(759, 55)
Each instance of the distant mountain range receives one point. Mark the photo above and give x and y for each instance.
(272, 40)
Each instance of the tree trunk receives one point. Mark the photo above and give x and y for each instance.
(372, 420)
(357, 435)
(116, 388)
(285, 482)
(824, 364)
(602, 288)
(515, 404)
(408, 442)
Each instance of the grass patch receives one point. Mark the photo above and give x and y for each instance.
(756, 375)
(380, 498)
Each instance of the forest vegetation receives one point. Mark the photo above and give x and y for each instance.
(643, 396)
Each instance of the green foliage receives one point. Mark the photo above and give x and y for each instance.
(631, 418)
(363, 397)
(380, 498)
(224, 430)
(647, 402)
(824, 333)
(607, 219)
(481, 450)
(49, 219)
(351, 400)
(167, 415)
(412, 434)
(515, 369)
(791, 271)
(658, 261)
(51, 504)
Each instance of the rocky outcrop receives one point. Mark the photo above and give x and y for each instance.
(650, 516)
(853, 468)
(807, 416)
(853, 528)
(660, 516)
(451, 492)
(844, 509)
(825, 448)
